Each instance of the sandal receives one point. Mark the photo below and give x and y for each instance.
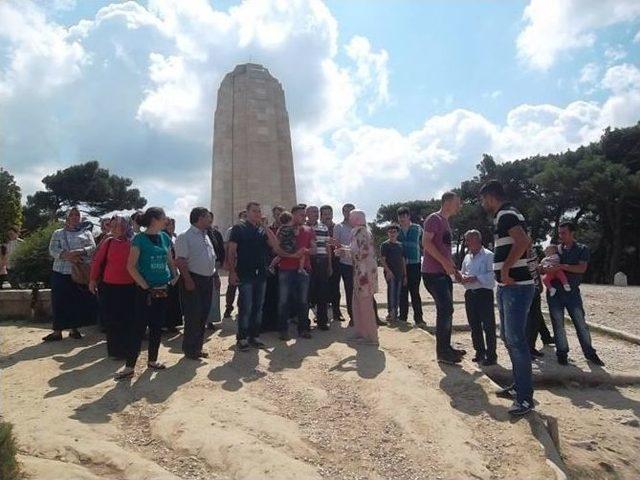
(123, 375)
(156, 366)
(52, 337)
(75, 334)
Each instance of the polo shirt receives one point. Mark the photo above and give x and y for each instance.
(506, 218)
(574, 255)
(196, 248)
(252, 250)
(411, 240)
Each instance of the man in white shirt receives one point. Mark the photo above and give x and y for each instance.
(196, 260)
(478, 279)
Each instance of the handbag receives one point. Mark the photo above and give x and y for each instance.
(80, 272)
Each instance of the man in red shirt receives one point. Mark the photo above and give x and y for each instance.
(293, 283)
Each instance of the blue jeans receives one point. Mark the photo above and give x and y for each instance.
(293, 287)
(250, 301)
(514, 302)
(440, 287)
(572, 301)
(394, 287)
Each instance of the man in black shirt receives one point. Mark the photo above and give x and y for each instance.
(515, 291)
(574, 259)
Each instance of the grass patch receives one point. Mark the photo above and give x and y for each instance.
(9, 468)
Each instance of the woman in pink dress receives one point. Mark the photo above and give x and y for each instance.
(365, 279)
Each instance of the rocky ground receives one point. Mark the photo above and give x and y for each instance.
(319, 408)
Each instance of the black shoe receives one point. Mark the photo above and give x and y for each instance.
(520, 408)
(421, 324)
(75, 334)
(487, 362)
(305, 334)
(323, 326)
(243, 345)
(460, 352)
(52, 337)
(562, 359)
(256, 343)
(594, 358)
(449, 358)
(536, 353)
(478, 359)
(380, 323)
(285, 337)
(507, 392)
(203, 355)
(227, 312)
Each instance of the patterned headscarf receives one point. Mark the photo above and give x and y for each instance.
(125, 223)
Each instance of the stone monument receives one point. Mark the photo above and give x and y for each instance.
(252, 158)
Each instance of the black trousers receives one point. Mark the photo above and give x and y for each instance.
(230, 297)
(196, 304)
(536, 324)
(482, 320)
(117, 313)
(412, 288)
(346, 273)
(334, 288)
(174, 309)
(319, 287)
(149, 312)
(270, 306)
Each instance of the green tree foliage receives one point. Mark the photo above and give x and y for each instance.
(32, 262)
(596, 186)
(9, 468)
(10, 208)
(88, 185)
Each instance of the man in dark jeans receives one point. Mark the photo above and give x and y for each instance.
(574, 260)
(479, 281)
(326, 217)
(230, 294)
(437, 268)
(410, 235)
(293, 283)
(196, 260)
(535, 320)
(248, 250)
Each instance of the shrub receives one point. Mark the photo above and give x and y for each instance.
(32, 263)
(9, 468)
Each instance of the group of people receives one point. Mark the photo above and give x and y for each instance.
(138, 276)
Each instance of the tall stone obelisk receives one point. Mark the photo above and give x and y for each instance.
(252, 158)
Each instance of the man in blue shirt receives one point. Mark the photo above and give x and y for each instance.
(574, 260)
(410, 235)
(477, 277)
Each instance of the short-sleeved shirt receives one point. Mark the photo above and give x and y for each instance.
(322, 237)
(252, 250)
(574, 255)
(393, 254)
(153, 260)
(438, 225)
(342, 232)
(411, 240)
(304, 239)
(506, 218)
(194, 246)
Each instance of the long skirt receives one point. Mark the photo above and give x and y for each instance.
(72, 304)
(174, 308)
(364, 318)
(117, 303)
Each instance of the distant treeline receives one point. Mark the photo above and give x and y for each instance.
(596, 186)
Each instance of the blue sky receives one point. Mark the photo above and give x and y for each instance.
(388, 100)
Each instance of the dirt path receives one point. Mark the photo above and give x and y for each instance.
(302, 410)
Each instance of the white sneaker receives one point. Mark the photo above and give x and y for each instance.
(567, 287)
(552, 291)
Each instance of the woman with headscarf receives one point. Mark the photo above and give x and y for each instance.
(73, 306)
(174, 309)
(117, 288)
(365, 279)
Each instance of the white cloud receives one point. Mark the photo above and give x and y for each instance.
(492, 95)
(615, 53)
(553, 27)
(589, 73)
(370, 70)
